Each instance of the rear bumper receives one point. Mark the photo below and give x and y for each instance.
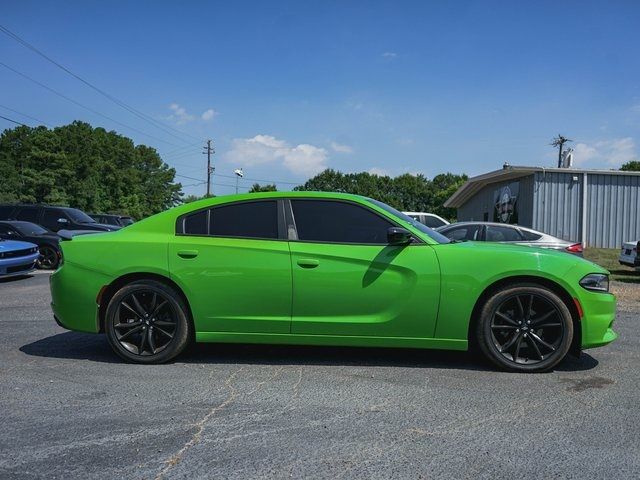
(10, 267)
(73, 297)
(597, 322)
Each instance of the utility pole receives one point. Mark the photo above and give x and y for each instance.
(209, 151)
(559, 142)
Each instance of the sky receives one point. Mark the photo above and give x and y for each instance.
(287, 89)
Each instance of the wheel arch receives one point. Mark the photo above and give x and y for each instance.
(107, 293)
(555, 287)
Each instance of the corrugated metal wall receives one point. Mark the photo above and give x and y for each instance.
(557, 207)
(483, 202)
(551, 202)
(613, 210)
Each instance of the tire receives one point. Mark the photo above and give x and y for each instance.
(147, 322)
(524, 328)
(49, 258)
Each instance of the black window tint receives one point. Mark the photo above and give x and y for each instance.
(5, 212)
(196, 224)
(249, 219)
(4, 229)
(530, 236)
(27, 214)
(338, 222)
(466, 232)
(502, 234)
(433, 222)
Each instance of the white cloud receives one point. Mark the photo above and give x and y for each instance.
(303, 159)
(389, 55)
(208, 114)
(179, 114)
(381, 172)
(636, 108)
(337, 147)
(612, 152)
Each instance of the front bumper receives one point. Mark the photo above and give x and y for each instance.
(597, 321)
(10, 267)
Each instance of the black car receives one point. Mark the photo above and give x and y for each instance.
(53, 218)
(48, 242)
(110, 219)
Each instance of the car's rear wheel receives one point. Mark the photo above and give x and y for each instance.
(49, 258)
(147, 322)
(526, 328)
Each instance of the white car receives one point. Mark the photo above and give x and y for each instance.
(629, 254)
(431, 220)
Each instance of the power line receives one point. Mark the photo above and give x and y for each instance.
(25, 115)
(83, 106)
(115, 100)
(14, 121)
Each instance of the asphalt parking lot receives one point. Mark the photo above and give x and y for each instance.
(71, 409)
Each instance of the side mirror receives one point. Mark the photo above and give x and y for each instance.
(398, 236)
(63, 220)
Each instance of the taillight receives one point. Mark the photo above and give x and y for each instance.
(575, 248)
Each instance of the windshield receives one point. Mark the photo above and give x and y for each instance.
(438, 237)
(28, 228)
(79, 216)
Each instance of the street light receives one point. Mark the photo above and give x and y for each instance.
(239, 174)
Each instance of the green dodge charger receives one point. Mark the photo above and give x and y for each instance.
(325, 269)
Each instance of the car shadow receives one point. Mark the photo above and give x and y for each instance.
(15, 278)
(81, 346)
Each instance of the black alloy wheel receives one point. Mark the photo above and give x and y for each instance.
(525, 328)
(49, 258)
(146, 322)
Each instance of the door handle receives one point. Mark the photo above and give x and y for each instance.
(188, 253)
(308, 262)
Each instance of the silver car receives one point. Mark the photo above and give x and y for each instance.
(505, 233)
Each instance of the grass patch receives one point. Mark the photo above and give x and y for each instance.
(608, 258)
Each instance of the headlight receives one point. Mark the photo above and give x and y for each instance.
(596, 282)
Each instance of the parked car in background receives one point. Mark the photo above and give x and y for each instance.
(109, 219)
(17, 258)
(431, 220)
(505, 233)
(48, 242)
(629, 254)
(53, 218)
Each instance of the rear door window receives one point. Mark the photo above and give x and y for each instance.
(497, 233)
(27, 214)
(243, 220)
(464, 232)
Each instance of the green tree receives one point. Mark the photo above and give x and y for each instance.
(84, 167)
(405, 192)
(631, 166)
(263, 188)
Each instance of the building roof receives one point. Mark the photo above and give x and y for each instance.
(475, 184)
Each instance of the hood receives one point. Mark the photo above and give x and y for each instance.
(13, 245)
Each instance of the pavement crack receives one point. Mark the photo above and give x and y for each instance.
(200, 426)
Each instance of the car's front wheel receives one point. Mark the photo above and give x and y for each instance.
(526, 328)
(49, 258)
(147, 322)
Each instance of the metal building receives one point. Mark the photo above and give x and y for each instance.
(600, 208)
